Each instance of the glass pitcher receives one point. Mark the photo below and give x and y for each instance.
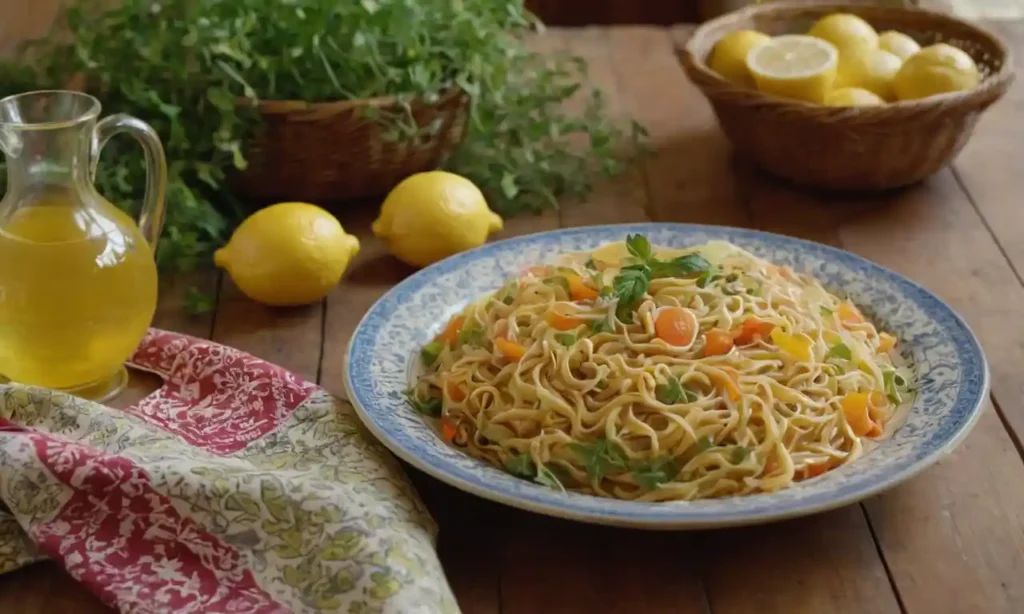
(78, 280)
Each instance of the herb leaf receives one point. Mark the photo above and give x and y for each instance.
(604, 325)
(198, 302)
(680, 267)
(657, 472)
(630, 285)
(521, 465)
(429, 407)
(639, 247)
(704, 443)
(600, 457)
(673, 392)
(566, 339)
(739, 454)
(431, 352)
(471, 335)
(548, 475)
(839, 350)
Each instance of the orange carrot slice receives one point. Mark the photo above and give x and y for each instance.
(451, 332)
(717, 342)
(510, 349)
(753, 329)
(561, 321)
(456, 391)
(580, 290)
(855, 407)
(448, 430)
(676, 326)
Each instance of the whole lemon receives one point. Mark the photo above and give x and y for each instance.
(729, 57)
(870, 69)
(938, 69)
(852, 97)
(287, 254)
(430, 216)
(898, 44)
(845, 31)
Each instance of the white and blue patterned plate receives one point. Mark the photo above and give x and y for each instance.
(951, 373)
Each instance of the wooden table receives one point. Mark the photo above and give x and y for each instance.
(949, 541)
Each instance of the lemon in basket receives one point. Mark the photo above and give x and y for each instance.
(287, 254)
(852, 97)
(430, 216)
(868, 68)
(898, 44)
(939, 69)
(729, 57)
(794, 66)
(845, 31)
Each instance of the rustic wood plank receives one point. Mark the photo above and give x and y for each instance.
(831, 563)
(954, 537)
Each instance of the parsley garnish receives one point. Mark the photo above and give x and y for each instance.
(604, 325)
(839, 350)
(633, 281)
(522, 466)
(673, 392)
(739, 454)
(589, 264)
(657, 472)
(430, 407)
(600, 457)
(680, 267)
(431, 352)
(704, 443)
(471, 335)
(639, 247)
(566, 339)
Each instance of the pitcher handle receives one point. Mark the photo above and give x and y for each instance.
(151, 218)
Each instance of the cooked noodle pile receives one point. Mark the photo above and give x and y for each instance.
(643, 373)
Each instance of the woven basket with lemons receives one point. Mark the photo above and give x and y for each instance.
(847, 96)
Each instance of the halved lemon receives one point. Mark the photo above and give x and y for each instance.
(794, 66)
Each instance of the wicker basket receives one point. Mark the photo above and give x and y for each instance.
(330, 152)
(863, 148)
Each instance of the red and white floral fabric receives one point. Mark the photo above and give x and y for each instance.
(237, 487)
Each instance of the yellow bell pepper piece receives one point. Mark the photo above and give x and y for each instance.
(797, 346)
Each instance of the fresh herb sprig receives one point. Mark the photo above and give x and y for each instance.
(184, 65)
(633, 280)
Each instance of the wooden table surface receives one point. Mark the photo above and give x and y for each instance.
(950, 540)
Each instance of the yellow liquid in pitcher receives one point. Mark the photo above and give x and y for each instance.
(78, 290)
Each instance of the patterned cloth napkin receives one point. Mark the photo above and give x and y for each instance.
(237, 487)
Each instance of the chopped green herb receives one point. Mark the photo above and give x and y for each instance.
(894, 385)
(639, 247)
(566, 339)
(704, 443)
(731, 277)
(522, 466)
(600, 457)
(601, 384)
(471, 335)
(673, 392)
(839, 350)
(548, 475)
(680, 267)
(657, 472)
(429, 407)
(739, 454)
(431, 352)
(508, 300)
(589, 264)
(705, 277)
(604, 325)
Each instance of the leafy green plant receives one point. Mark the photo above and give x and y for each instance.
(185, 65)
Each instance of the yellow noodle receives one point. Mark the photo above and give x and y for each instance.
(591, 407)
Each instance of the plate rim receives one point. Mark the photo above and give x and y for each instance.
(611, 517)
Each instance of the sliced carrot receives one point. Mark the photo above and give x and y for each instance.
(456, 391)
(855, 407)
(729, 382)
(676, 326)
(580, 290)
(813, 471)
(561, 321)
(717, 342)
(448, 430)
(753, 329)
(849, 314)
(886, 343)
(451, 332)
(510, 349)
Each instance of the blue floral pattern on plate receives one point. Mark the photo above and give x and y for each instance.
(951, 374)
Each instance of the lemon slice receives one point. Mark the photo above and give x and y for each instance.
(794, 66)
